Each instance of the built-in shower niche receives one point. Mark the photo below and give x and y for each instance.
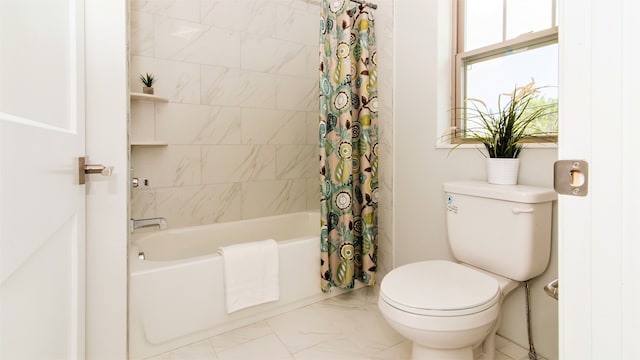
(142, 127)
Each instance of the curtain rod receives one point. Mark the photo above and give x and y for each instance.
(371, 5)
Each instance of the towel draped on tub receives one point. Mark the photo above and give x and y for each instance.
(251, 274)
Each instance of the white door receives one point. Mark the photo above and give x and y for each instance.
(599, 246)
(42, 206)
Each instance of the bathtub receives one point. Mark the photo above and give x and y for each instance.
(177, 291)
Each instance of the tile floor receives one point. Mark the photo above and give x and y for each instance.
(348, 326)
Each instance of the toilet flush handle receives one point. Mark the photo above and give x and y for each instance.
(517, 210)
(552, 289)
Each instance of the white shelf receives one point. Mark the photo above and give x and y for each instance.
(148, 143)
(148, 97)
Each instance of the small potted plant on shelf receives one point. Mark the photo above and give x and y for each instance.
(147, 81)
(504, 132)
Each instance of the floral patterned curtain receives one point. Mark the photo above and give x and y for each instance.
(348, 145)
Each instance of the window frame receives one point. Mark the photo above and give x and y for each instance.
(460, 57)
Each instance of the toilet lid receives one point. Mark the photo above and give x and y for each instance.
(438, 287)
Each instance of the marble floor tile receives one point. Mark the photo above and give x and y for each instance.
(198, 351)
(396, 352)
(341, 348)
(306, 327)
(266, 347)
(240, 336)
(512, 350)
(347, 326)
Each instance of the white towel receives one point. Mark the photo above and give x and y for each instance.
(251, 274)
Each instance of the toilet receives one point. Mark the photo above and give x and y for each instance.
(500, 235)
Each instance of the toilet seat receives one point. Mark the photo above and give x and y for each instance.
(439, 288)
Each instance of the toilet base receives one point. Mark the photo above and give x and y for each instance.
(423, 353)
(486, 350)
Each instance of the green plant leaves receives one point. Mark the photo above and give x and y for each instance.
(502, 133)
(147, 79)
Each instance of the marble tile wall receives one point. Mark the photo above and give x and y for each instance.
(241, 120)
(240, 124)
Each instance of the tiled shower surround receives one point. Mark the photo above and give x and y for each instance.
(241, 121)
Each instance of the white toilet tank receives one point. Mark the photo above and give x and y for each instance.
(504, 229)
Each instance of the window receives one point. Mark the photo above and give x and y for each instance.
(501, 44)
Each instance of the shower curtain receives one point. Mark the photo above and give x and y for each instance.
(348, 134)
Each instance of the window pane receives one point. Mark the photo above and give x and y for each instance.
(524, 16)
(487, 79)
(483, 23)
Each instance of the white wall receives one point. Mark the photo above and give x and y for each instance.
(422, 77)
(106, 143)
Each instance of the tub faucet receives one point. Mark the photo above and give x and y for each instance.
(160, 222)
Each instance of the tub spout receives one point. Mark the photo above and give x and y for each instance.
(160, 222)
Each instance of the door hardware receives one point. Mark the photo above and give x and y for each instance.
(571, 177)
(84, 169)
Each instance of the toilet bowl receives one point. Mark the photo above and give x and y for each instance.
(501, 236)
(445, 308)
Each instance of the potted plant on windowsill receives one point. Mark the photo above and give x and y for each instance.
(503, 133)
(147, 80)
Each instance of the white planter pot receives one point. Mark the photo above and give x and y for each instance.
(502, 171)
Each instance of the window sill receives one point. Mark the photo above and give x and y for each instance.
(475, 146)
